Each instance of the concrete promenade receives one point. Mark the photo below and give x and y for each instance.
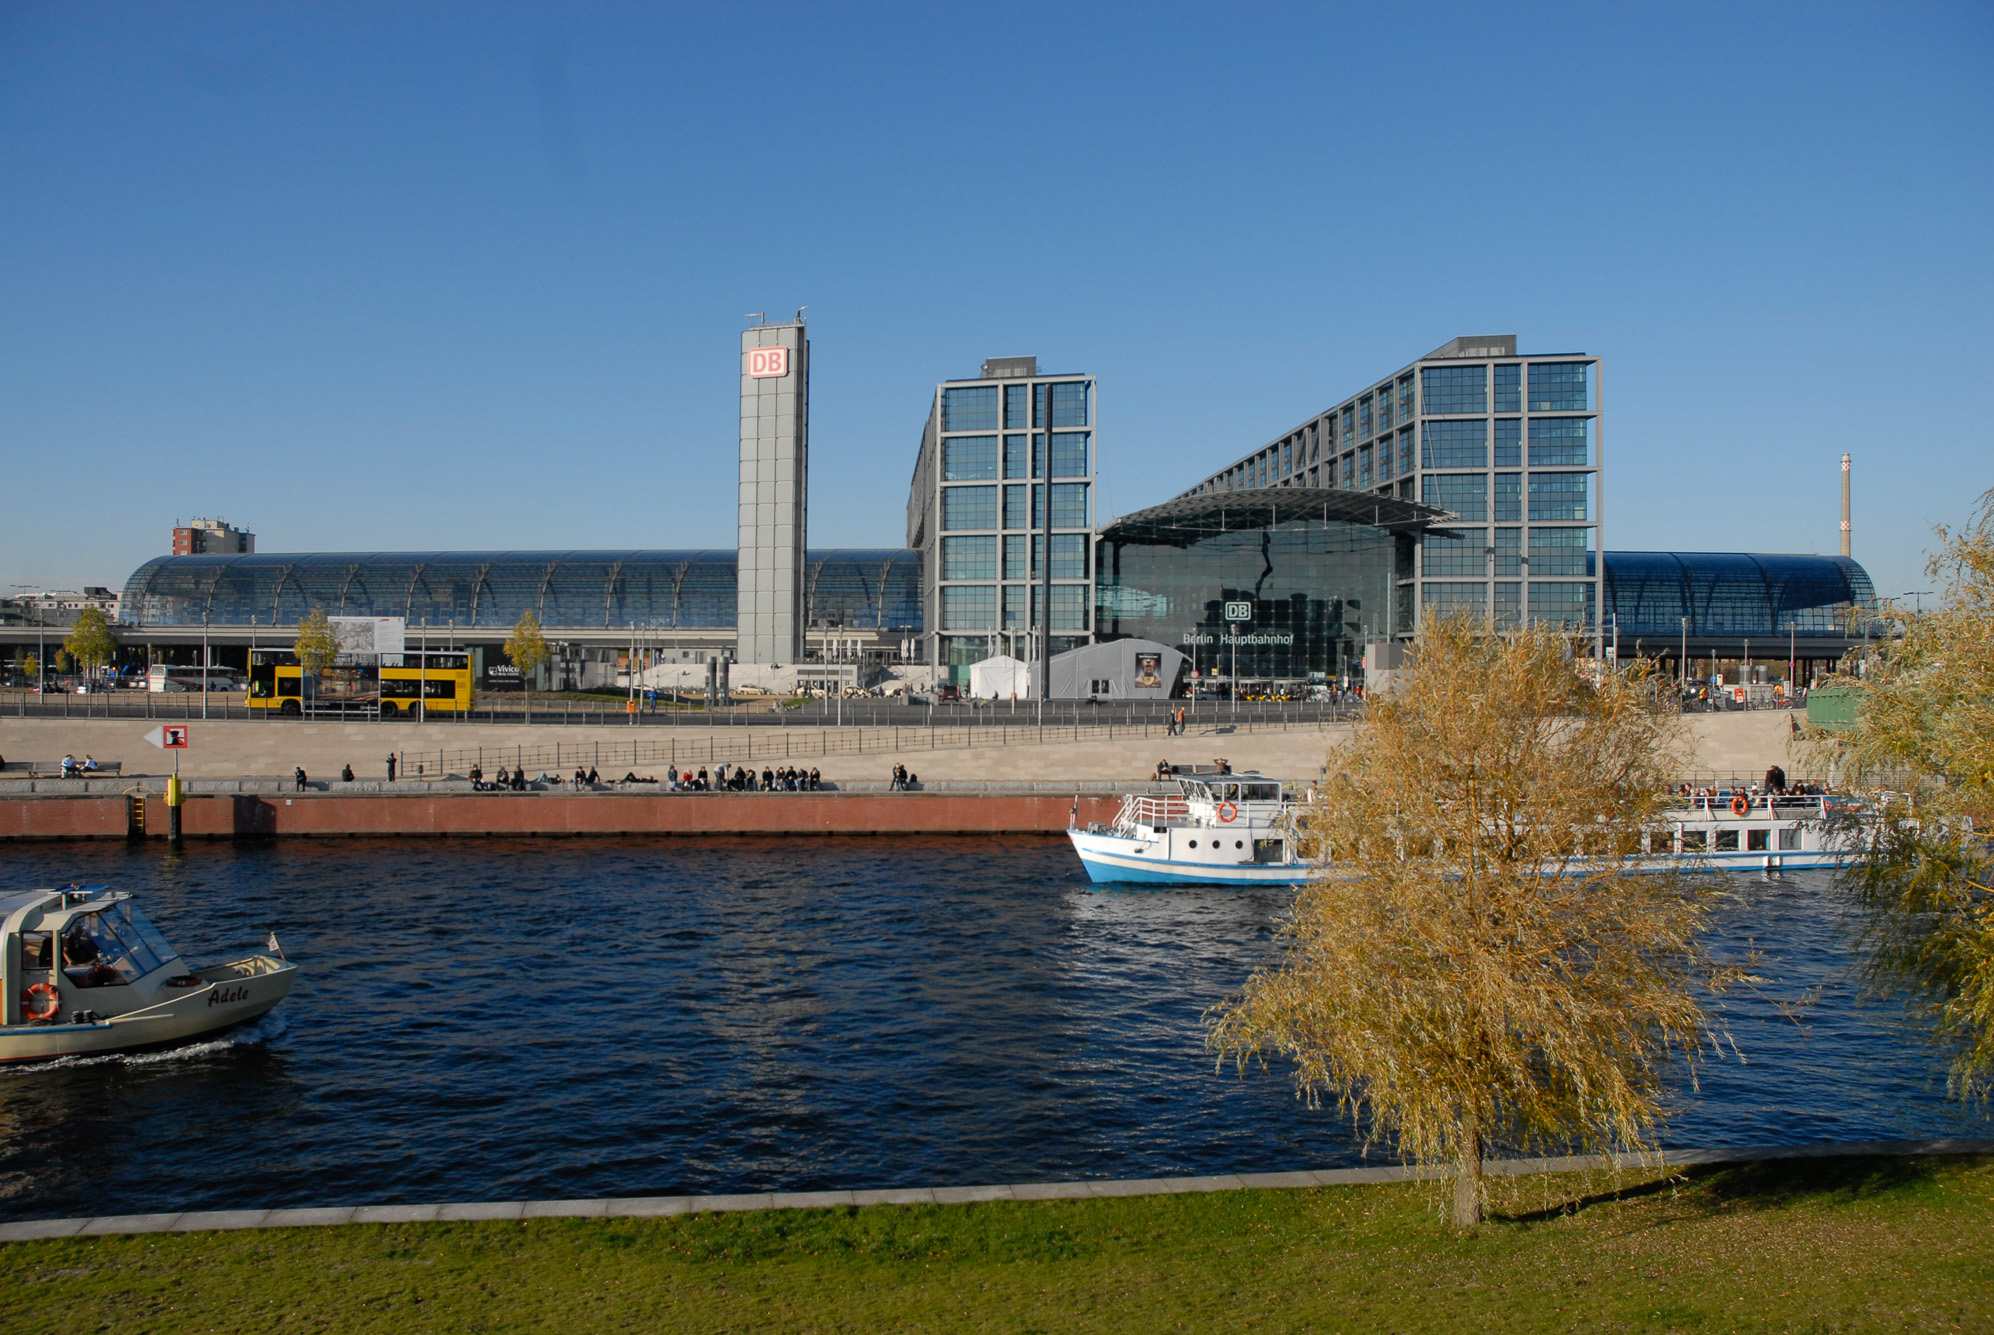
(655, 1207)
(1726, 744)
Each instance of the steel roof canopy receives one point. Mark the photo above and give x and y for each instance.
(1189, 519)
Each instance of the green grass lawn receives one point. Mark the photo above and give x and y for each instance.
(1824, 1245)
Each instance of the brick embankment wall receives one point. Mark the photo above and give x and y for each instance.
(256, 815)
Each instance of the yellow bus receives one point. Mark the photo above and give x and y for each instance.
(438, 682)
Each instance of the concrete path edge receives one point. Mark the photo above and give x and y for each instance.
(652, 1207)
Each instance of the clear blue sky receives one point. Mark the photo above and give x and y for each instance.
(436, 276)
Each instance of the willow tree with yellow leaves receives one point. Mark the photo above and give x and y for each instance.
(1478, 970)
(1921, 750)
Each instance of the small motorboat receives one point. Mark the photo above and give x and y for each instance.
(84, 971)
(1216, 829)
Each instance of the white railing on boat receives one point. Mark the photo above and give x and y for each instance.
(1151, 810)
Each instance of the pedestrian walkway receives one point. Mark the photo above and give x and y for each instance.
(654, 1207)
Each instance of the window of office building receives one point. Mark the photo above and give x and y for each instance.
(1015, 499)
(1558, 387)
(1069, 556)
(1018, 563)
(1364, 418)
(1561, 604)
(1069, 505)
(1455, 389)
(1349, 472)
(1466, 494)
(1287, 458)
(1558, 551)
(969, 607)
(1069, 606)
(1349, 423)
(972, 408)
(1440, 599)
(1069, 454)
(969, 507)
(1508, 497)
(1508, 604)
(1560, 440)
(1017, 599)
(1441, 554)
(1456, 444)
(1509, 389)
(1558, 495)
(1385, 408)
(1509, 442)
(1405, 398)
(969, 458)
(1017, 456)
(1405, 450)
(1069, 403)
(1017, 405)
(969, 558)
(1364, 467)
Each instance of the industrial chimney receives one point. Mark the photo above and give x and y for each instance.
(1845, 507)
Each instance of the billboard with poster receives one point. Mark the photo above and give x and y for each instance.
(366, 641)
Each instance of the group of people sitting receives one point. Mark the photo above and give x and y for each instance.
(72, 767)
(505, 780)
(903, 779)
(1774, 785)
(787, 779)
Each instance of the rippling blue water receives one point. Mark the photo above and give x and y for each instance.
(492, 1021)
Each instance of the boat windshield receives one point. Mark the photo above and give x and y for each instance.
(1231, 791)
(112, 947)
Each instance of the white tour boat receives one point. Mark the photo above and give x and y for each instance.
(85, 972)
(1216, 829)
(1240, 829)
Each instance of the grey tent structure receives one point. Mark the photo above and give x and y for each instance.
(1117, 670)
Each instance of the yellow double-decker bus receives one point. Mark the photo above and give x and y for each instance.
(437, 682)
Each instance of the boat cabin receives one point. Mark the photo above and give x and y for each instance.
(78, 949)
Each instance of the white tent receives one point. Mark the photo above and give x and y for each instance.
(1000, 678)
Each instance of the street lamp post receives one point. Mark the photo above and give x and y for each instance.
(204, 665)
(1684, 665)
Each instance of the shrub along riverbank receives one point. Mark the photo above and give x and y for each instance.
(1832, 1244)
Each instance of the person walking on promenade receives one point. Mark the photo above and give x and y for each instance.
(300, 774)
(391, 767)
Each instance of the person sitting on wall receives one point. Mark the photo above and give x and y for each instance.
(1164, 770)
(346, 774)
(477, 778)
(89, 764)
(68, 767)
(590, 778)
(816, 781)
(519, 781)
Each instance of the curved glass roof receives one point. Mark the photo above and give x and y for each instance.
(1734, 593)
(691, 590)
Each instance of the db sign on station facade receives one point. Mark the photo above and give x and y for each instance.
(767, 363)
(1239, 611)
(171, 737)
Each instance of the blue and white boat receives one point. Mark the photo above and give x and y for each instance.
(1242, 829)
(1216, 829)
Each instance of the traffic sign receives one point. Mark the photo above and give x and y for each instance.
(169, 737)
(1239, 611)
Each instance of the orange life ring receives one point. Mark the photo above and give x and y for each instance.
(1228, 813)
(1740, 805)
(28, 1000)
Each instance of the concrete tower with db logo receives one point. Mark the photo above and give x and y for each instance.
(775, 472)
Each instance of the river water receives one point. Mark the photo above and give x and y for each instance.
(524, 1020)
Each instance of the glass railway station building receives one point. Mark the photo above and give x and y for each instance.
(1470, 479)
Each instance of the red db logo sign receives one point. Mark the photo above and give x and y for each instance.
(764, 363)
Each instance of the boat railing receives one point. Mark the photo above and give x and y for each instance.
(1759, 806)
(1152, 810)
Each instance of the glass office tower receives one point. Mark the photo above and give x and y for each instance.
(1002, 511)
(1508, 444)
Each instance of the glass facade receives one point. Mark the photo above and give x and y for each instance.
(473, 590)
(1455, 389)
(1734, 593)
